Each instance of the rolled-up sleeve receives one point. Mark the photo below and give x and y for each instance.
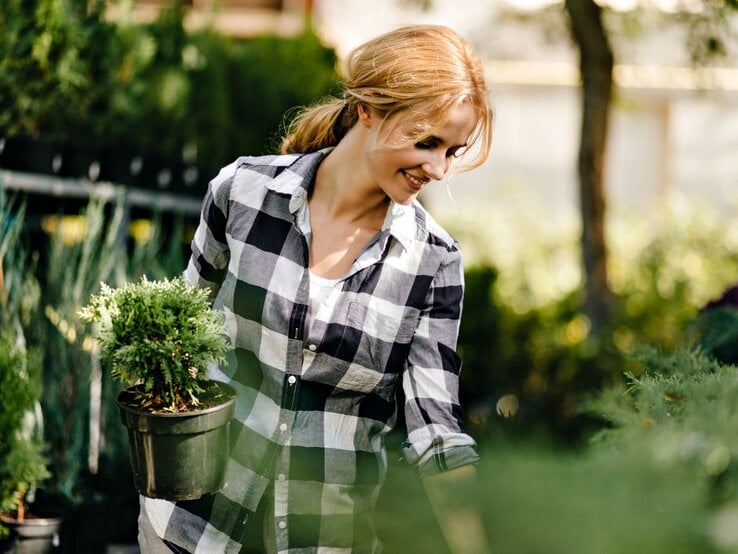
(209, 248)
(436, 439)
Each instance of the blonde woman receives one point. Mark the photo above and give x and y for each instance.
(338, 288)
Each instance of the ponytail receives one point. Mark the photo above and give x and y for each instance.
(419, 71)
(318, 126)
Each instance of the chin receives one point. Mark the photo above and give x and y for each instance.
(405, 199)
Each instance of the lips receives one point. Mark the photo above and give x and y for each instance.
(416, 183)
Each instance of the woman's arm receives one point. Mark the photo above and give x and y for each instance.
(209, 258)
(454, 497)
(437, 440)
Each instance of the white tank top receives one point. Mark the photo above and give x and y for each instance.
(320, 288)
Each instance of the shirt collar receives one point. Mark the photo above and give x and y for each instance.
(296, 179)
(400, 221)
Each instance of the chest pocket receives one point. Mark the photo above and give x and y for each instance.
(385, 338)
(382, 327)
(377, 342)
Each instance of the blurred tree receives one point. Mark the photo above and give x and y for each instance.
(708, 27)
(48, 63)
(596, 63)
(73, 74)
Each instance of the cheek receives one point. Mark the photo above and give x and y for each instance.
(382, 160)
(405, 158)
(375, 161)
(389, 161)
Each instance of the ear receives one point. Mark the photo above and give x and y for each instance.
(366, 115)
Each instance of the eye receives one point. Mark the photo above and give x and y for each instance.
(425, 144)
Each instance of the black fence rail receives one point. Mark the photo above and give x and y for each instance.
(52, 172)
(79, 191)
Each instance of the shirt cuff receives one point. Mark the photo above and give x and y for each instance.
(438, 460)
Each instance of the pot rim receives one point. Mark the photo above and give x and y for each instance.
(31, 521)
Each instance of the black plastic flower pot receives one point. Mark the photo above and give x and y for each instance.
(179, 456)
(37, 535)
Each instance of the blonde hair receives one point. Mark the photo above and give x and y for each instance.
(420, 72)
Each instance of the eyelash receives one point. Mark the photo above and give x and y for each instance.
(424, 145)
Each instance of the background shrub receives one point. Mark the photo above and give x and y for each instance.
(69, 74)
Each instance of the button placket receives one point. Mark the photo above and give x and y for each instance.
(289, 397)
(281, 499)
(307, 360)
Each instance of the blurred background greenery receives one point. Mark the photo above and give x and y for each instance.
(591, 442)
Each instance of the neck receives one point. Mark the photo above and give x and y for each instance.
(342, 187)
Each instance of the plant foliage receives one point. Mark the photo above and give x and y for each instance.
(715, 328)
(680, 412)
(72, 72)
(523, 332)
(159, 334)
(22, 463)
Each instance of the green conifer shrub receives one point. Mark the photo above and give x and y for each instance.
(160, 335)
(715, 327)
(22, 462)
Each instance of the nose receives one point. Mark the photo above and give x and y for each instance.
(436, 165)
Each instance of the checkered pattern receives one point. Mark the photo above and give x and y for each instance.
(313, 410)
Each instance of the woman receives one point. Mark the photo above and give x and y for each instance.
(338, 287)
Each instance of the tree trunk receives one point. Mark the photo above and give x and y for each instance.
(596, 64)
(20, 512)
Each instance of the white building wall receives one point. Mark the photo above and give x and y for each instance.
(665, 137)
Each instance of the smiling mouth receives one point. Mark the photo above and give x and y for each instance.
(415, 182)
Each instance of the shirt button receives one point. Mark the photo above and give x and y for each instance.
(281, 477)
(283, 427)
(282, 524)
(292, 379)
(312, 348)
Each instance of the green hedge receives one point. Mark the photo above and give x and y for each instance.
(523, 332)
(660, 478)
(70, 74)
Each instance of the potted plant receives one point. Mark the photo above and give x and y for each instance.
(22, 463)
(25, 526)
(158, 338)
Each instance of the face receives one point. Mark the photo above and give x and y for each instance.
(401, 166)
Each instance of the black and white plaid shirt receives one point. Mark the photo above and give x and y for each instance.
(313, 409)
